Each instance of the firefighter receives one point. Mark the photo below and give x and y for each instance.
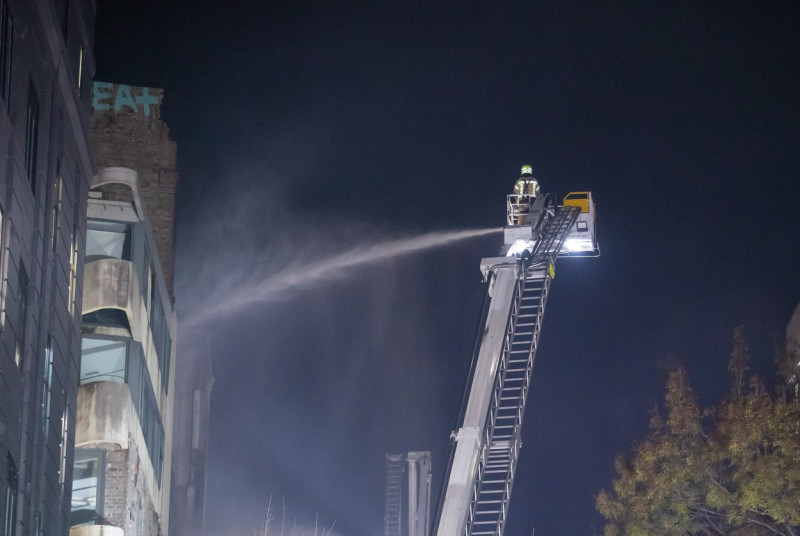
(526, 185)
(525, 191)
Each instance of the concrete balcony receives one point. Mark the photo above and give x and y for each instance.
(104, 414)
(111, 283)
(96, 530)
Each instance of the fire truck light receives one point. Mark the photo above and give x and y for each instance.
(519, 246)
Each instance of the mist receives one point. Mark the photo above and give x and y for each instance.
(332, 344)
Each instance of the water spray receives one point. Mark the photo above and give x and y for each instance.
(283, 284)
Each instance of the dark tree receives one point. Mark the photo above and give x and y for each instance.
(733, 469)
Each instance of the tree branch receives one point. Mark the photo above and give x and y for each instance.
(769, 527)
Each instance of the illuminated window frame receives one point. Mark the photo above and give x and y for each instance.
(82, 456)
(23, 287)
(47, 391)
(55, 224)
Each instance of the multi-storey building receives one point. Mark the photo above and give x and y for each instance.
(46, 64)
(124, 412)
(127, 130)
(127, 393)
(193, 382)
(416, 487)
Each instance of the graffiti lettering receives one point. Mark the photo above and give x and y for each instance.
(102, 98)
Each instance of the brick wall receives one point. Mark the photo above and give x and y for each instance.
(126, 502)
(126, 130)
(116, 487)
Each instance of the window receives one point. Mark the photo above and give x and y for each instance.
(577, 195)
(6, 38)
(73, 270)
(77, 216)
(48, 384)
(88, 482)
(164, 365)
(31, 137)
(160, 330)
(80, 69)
(122, 360)
(103, 360)
(106, 239)
(62, 469)
(22, 312)
(144, 400)
(12, 482)
(58, 187)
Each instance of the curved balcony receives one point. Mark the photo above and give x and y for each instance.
(103, 414)
(106, 415)
(121, 184)
(96, 530)
(111, 283)
(116, 175)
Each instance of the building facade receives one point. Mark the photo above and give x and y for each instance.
(46, 64)
(126, 399)
(408, 475)
(127, 129)
(193, 383)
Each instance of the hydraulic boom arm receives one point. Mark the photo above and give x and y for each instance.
(482, 467)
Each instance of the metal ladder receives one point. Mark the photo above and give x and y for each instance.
(502, 438)
(392, 521)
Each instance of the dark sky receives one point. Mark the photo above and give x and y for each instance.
(306, 129)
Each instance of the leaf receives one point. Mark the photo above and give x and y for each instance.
(736, 471)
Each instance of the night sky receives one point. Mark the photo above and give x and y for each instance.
(307, 129)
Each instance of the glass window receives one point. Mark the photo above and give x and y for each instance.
(32, 137)
(144, 400)
(65, 443)
(48, 384)
(22, 310)
(75, 245)
(80, 69)
(122, 360)
(88, 478)
(161, 338)
(58, 187)
(103, 360)
(164, 364)
(107, 239)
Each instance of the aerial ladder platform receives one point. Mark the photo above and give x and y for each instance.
(484, 460)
